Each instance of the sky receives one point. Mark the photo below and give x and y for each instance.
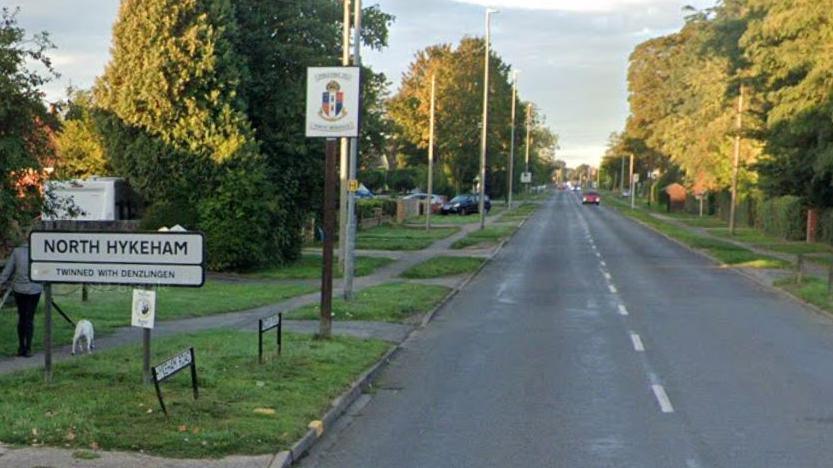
(572, 54)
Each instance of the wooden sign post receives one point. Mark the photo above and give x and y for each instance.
(333, 110)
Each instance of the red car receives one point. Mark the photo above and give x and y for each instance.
(591, 197)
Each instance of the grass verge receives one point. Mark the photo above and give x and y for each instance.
(487, 237)
(389, 302)
(309, 267)
(109, 307)
(394, 237)
(811, 289)
(437, 267)
(243, 407)
(726, 252)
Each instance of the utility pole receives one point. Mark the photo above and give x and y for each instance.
(430, 155)
(622, 177)
(528, 128)
(735, 165)
(350, 242)
(512, 141)
(343, 160)
(633, 194)
(481, 208)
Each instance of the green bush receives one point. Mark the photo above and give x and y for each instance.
(242, 218)
(366, 207)
(374, 180)
(783, 217)
(169, 213)
(825, 227)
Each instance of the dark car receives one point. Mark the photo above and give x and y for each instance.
(466, 204)
(591, 197)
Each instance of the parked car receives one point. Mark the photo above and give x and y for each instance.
(591, 197)
(363, 192)
(437, 201)
(466, 204)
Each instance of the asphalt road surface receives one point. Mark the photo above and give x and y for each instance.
(592, 342)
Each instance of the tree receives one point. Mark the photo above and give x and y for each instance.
(788, 47)
(25, 125)
(459, 75)
(80, 148)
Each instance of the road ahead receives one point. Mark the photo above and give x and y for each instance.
(592, 342)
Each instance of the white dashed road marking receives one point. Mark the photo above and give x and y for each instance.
(637, 342)
(612, 288)
(623, 310)
(662, 398)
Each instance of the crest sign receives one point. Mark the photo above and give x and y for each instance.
(333, 102)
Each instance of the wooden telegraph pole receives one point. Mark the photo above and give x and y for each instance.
(326, 323)
(736, 165)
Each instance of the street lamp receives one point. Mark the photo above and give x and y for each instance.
(482, 197)
(512, 141)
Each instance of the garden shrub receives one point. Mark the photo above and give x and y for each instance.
(783, 217)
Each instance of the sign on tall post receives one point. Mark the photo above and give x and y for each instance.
(118, 258)
(350, 241)
(332, 112)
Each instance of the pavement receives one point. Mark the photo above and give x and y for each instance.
(592, 341)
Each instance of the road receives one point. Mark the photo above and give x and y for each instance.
(591, 341)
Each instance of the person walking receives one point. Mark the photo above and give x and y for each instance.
(26, 295)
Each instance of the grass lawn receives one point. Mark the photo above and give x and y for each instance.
(394, 237)
(452, 219)
(309, 267)
(726, 252)
(389, 302)
(518, 213)
(704, 222)
(109, 307)
(243, 407)
(811, 290)
(444, 266)
(487, 237)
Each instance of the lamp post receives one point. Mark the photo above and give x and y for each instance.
(428, 200)
(482, 198)
(512, 142)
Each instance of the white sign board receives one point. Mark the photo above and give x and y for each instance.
(153, 258)
(526, 177)
(333, 102)
(144, 308)
(174, 365)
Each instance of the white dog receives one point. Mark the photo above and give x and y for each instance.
(84, 329)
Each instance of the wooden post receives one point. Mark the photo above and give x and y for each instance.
(326, 322)
(146, 375)
(830, 283)
(736, 165)
(799, 268)
(47, 334)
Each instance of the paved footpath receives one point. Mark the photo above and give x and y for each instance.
(247, 319)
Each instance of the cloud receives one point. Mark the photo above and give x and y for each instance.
(584, 6)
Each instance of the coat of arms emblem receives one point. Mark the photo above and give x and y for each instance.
(332, 103)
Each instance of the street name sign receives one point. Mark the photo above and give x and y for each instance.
(152, 258)
(333, 102)
(170, 368)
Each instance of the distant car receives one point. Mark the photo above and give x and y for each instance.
(466, 204)
(576, 188)
(626, 193)
(591, 198)
(437, 201)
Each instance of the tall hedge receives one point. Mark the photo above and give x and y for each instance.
(783, 217)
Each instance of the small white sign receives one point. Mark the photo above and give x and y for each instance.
(144, 308)
(526, 177)
(333, 102)
(636, 178)
(117, 273)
